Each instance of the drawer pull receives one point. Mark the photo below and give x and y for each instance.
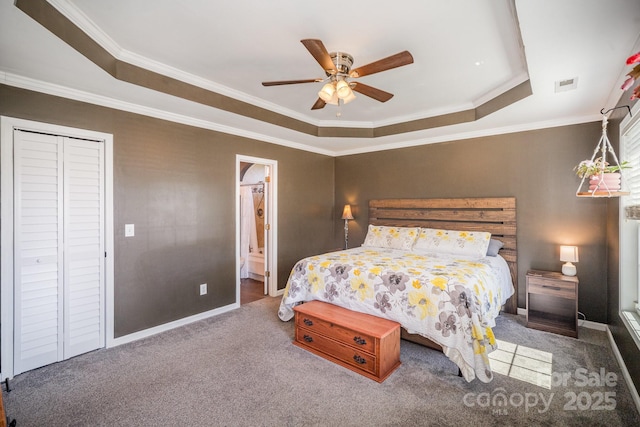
(555, 288)
(360, 340)
(359, 359)
(307, 322)
(307, 338)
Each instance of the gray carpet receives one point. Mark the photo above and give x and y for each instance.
(240, 369)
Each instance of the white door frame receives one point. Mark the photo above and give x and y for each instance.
(7, 126)
(271, 248)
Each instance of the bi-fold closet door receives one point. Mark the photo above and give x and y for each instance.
(59, 249)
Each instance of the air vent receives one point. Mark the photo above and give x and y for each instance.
(566, 84)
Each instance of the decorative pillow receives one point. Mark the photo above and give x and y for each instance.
(380, 236)
(494, 247)
(468, 243)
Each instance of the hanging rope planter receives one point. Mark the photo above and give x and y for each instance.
(604, 179)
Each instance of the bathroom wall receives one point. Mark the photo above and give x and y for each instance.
(254, 174)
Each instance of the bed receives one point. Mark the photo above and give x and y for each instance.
(424, 263)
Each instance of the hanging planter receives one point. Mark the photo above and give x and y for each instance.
(605, 182)
(604, 179)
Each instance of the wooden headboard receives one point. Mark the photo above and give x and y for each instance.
(495, 215)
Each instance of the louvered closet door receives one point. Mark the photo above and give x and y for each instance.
(38, 250)
(84, 246)
(58, 248)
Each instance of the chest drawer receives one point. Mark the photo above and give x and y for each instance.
(343, 352)
(366, 344)
(343, 334)
(541, 285)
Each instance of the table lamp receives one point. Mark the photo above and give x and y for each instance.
(346, 215)
(569, 254)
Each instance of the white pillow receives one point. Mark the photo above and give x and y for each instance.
(468, 243)
(380, 236)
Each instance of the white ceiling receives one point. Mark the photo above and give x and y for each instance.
(465, 53)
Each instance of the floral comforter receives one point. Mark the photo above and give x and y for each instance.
(451, 300)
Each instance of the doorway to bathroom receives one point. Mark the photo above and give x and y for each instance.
(256, 228)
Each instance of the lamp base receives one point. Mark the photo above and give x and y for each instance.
(346, 234)
(569, 269)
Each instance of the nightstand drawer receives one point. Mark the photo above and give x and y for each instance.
(552, 302)
(540, 285)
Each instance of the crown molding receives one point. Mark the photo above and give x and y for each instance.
(27, 83)
(77, 95)
(85, 24)
(474, 134)
(82, 21)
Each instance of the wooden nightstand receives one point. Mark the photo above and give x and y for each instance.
(552, 302)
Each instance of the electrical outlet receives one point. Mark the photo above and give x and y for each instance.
(203, 289)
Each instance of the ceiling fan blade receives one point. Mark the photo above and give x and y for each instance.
(319, 104)
(393, 61)
(372, 92)
(290, 82)
(319, 52)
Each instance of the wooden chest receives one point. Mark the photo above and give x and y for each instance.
(363, 343)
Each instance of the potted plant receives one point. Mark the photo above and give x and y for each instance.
(602, 176)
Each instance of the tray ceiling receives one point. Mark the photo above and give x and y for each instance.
(480, 66)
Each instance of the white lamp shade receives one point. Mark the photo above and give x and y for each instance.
(343, 89)
(346, 212)
(349, 98)
(569, 253)
(334, 99)
(326, 93)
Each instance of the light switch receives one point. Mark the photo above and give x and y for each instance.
(129, 230)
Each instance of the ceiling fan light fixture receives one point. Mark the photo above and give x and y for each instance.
(343, 89)
(349, 98)
(337, 67)
(327, 92)
(334, 99)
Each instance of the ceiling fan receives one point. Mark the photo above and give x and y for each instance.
(337, 67)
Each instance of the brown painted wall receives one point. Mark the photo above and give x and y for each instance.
(176, 183)
(536, 167)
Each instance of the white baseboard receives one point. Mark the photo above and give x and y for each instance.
(171, 325)
(625, 371)
(593, 325)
